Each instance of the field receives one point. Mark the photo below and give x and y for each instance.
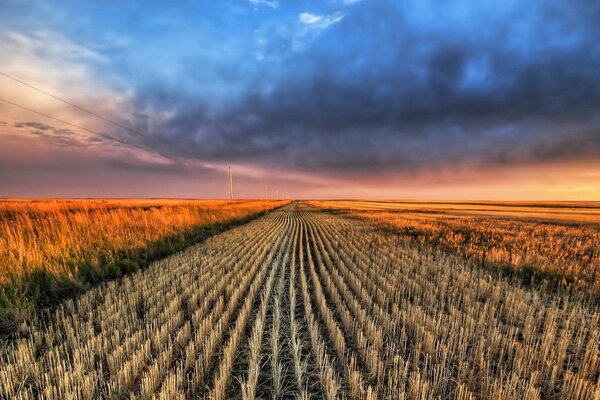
(52, 248)
(305, 303)
(555, 243)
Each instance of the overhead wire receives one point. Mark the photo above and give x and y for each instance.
(90, 112)
(100, 134)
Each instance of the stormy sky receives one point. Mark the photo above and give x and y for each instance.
(332, 98)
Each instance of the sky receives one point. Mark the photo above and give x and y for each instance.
(411, 99)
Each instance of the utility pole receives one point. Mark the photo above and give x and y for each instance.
(230, 185)
(276, 194)
(265, 192)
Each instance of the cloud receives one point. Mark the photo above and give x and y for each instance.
(59, 136)
(383, 92)
(309, 18)
(320, 22)
(310, 27)
(52, 61)
(272, 4)
(133, 165)
(35, 168)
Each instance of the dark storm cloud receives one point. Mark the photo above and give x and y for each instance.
(167, 167)
(60, 136)
(398, 85)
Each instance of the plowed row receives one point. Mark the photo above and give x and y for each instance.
(303, 304)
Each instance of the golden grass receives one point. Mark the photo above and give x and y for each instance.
(558, 242)
(89, 239)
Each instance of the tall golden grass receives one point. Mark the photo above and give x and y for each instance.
(82, 240)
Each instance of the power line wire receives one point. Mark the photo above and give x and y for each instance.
(103, 135)
(73, 105)
(115, 123)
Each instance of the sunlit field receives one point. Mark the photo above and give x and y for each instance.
(49, 248)
(306, 303)
(552, 242)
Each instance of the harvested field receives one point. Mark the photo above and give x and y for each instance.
(553, 242)
(301, 303)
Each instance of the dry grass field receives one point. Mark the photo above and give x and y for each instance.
(49, 248)
(303, 303)
(558, 243)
